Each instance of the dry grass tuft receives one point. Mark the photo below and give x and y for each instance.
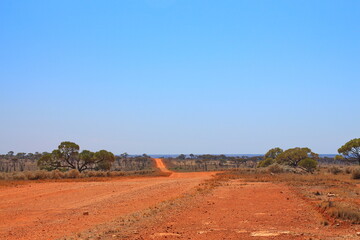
(73, 174)
(335, 170)
(355, 173)
(19, 176)
(276, 168)
(341, 210)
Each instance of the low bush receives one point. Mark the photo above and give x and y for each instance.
(265, 163)
(36, 175)
(308, 164)
(73, 173)
(276, 168)
(348, 170)
(335, 170)
(355, 173)
(3, 176)
(341, 211)
(19, 176)
(30, 175)
(57, 174)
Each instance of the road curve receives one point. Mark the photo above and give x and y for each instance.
(160, 165)
(51, 210)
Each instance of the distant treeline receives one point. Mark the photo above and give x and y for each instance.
(68, 157)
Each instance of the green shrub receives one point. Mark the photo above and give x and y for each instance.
(309, 164)
(265, 163)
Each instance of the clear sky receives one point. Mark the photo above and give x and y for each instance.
(179, 76)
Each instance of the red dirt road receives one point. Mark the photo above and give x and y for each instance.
(52, 210)
(234, 210)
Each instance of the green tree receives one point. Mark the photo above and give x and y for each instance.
(67, 157)
(48, 162)
(293, 156)
(351, 150)
(68, 154)
(181, 156)
(273, 153)
(103, 160)
(86, 160)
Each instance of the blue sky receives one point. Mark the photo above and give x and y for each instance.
(179, 76)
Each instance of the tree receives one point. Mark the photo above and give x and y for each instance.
(86, 158)
(339, 157)
(351, 150)
(124, 155)
(67, 157)
(181, 156)
(104, 159)
(273, 153)
(68, 152)
(293, 156)
(48, 162)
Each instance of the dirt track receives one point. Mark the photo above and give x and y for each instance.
(51, 210)
(235, 210)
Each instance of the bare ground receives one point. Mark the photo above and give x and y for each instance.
(253, 210)
(232, 210)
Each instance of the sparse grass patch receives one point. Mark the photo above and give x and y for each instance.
(74, 174)
(341, 210)
(318, 187)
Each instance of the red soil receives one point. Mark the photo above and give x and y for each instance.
(236, 210)
(50, 210)
(239, 210)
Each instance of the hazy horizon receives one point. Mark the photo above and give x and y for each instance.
(153, 76)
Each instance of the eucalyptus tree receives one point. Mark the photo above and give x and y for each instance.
(351, 150)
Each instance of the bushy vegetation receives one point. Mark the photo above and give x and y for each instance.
(309, 164)
(294, 157)
(341, 210)
(266, 162)
(71, 174)
(351, 150)
(208, 162)
(68, 156)
(21, 161)
(276, 168)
